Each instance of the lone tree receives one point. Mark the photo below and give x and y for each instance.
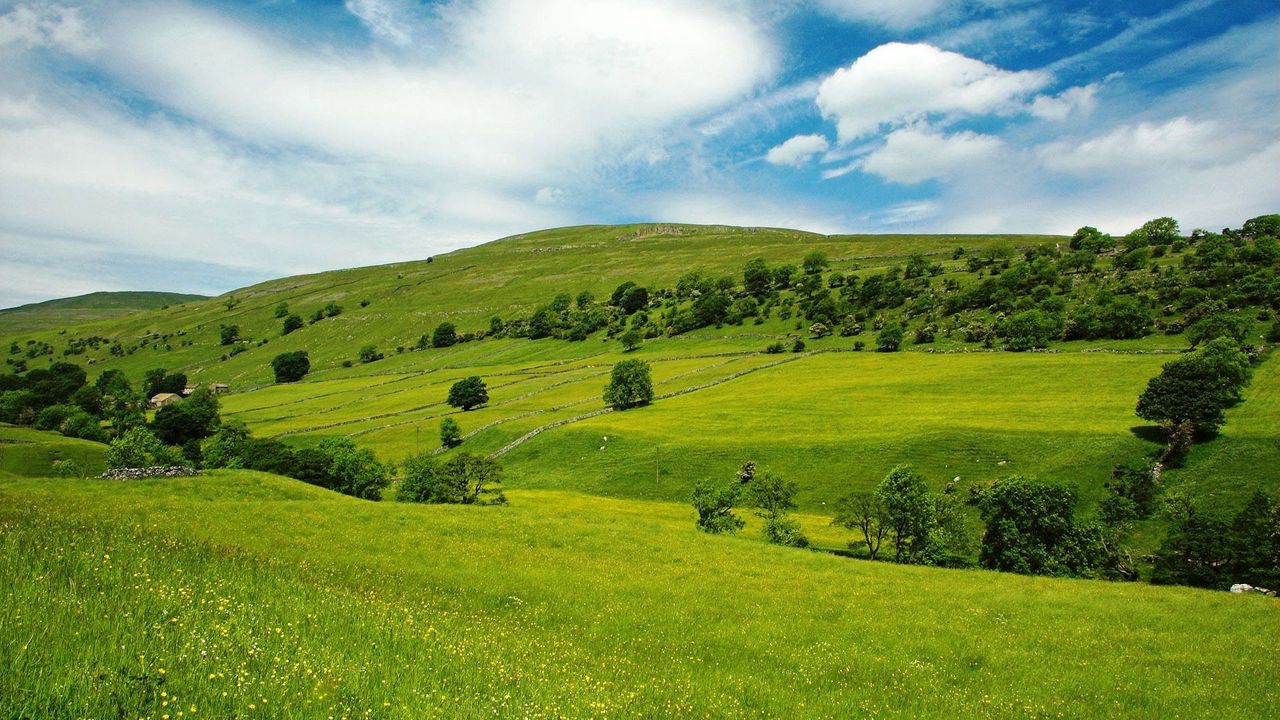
(291, 366)
(468, 393)
(1197, 388)
(229, 334)
(444, 335)
(630, 339)
(629, 386)
(450, 433)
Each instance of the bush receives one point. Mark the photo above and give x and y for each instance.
(229, 334)
(776, 348)
(291, 366)
(337, 464)
(630, 340)
(468, 393)
(630, 385)
(369, 353)
(1029, 330)
(291, 323)
(138, 448)
(889, 339)
(84, 426)
(444, 335)
(450, 433)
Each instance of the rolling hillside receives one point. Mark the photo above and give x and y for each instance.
(67, 312)
(831, 419)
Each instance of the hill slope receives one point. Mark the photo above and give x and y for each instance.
(831, 419)
(68, 312)
(242, 594)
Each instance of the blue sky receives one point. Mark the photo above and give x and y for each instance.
(203, 146)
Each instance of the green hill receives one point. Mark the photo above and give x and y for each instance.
(240, 593)
(67, 312)
(831, 419)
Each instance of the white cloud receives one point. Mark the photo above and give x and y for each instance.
(897, 83)
(522, 92)
(41, 24)
(548, 195)
(1075, 100)
(797, 151)
(384, 18)
(898, 14)
(743, 208)
(916, 154)
(1149, 147)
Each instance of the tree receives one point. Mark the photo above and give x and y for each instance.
(291, 366)
(815, 262)
(195, 418)
(635, 300)
(865, 512)
(1031, 529)
(158, 381)
(369, 353)
(351, 470)
(138, 448)
(1255, 543)
(630, 339)
(889, 339)
(1197, 387)
(908, 512)
(1029, 330)
(1195, 551)
(774, 497)
(714, 505)
(450, 433)
(468, 393)
(1161, 231)
(462, 479)
(229, 334)
(629, 385)
(226, 447)
(444, 335)
(757, 279)
(282, 310)
(291, 323)
(1218, 325)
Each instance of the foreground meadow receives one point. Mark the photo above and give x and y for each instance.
(241, 594)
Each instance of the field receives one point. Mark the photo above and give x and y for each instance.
(246, 595)
(242, 594)
(94, 307)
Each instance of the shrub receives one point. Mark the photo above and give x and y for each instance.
(630, 385)
(369, 353)
(291, 323)
(138, 448)
(340, 465)
(797, 346)
(1029, 330)
(775, 348)
(1031, 529)
(464, 479)
(468, 393)
(291, 366)
(889, 339)
(444, 335)
(450, 433)
(229, 334)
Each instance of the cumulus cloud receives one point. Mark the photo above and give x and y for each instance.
(39, 24)
(1152, 147)
(916, 154)
(1075, 100)
(797, 151)
(898, 83)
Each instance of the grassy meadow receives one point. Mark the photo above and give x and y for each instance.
(239, 594)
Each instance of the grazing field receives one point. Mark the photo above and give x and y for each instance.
(240, 594)
(68, 312)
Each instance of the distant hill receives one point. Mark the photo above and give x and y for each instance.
(65, 312)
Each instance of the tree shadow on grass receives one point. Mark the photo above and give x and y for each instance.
(1150, 433)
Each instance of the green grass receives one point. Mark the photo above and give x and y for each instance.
(247, 595)
(31, 453)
